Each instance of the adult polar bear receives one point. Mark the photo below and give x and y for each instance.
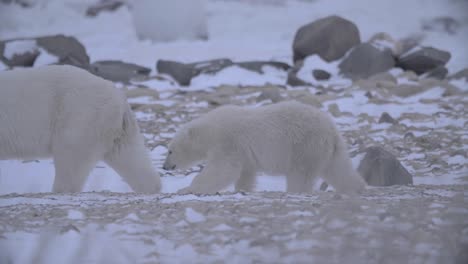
(75, 117)
(287, 138)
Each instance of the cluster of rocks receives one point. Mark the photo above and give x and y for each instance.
(335, 38)
(61, 49)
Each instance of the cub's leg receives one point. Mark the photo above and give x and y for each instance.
(217, 174)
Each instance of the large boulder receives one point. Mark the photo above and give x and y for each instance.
(330, 38)
(118, 71)
(366, 60)
(381, 168)
(423, 60)
(68, 49)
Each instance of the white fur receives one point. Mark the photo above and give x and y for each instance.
(76, 118)
(287, 138)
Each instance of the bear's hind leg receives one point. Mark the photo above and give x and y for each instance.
(72, 168)
(246, 182)
(217, 174)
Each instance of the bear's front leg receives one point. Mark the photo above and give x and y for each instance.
(217, 175)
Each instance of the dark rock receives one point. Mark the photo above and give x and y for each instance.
(181, 72)
(381, 168)
(184, 72)
(386, 118)
(257, 66)
(211, 66)
(444, 24)
(118, 71)
(330, 38)
(423, 60)
(366, 60)
(440, 72)
(324, 186)
(104, 5)
(462, 74)
(68, 49)
(321, 75)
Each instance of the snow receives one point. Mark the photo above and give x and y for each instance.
(235, 75)
(193, 216)
(45, 58)
(19, 47)
(75, 214)
(240, 30)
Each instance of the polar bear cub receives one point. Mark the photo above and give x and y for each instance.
(76, 118)
(287, 138)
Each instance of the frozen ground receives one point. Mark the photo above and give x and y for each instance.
(421, 224)
(425, 223)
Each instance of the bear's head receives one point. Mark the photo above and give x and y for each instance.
(185, 150)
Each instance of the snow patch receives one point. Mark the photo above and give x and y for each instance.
(193, 216)
(19, 47)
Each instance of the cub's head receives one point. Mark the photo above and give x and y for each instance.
(185, 150)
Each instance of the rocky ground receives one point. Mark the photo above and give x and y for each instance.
(420, 224)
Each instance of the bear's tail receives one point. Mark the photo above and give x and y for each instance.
(340, 172)
(129, 157)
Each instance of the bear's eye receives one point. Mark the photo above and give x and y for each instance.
(170, 152)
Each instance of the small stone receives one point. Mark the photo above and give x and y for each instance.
(386, 118)
(321, 75)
